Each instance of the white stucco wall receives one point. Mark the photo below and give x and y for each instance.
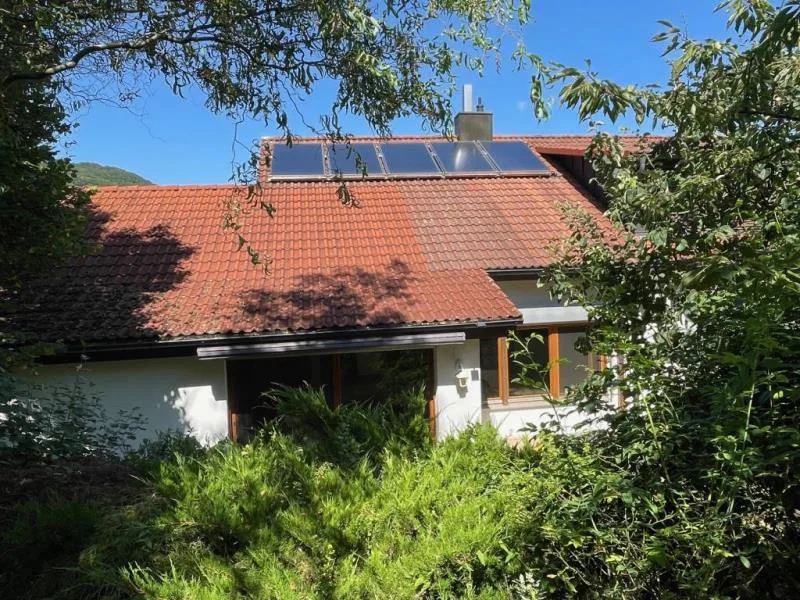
(457, 407)
(536, 305)
(511, 421)
(172, 393)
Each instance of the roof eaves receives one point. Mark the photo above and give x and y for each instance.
(97, 350)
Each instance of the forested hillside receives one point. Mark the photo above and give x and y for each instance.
(89, 173)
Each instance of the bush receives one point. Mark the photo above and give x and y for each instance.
(353, 502)
(271, 521)
(167, 446)
(50, 513)
(42, 534)
(351, 433)
(45, 423)
(270, 516)
(326, 506)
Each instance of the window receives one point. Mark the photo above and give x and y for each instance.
(364, 377)
(539, 354)
(499, 370)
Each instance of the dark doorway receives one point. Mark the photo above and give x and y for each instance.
(248, 379)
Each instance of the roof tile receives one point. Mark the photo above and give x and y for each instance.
(411, 252)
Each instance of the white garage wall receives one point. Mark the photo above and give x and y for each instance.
(172, 393)
(457, 407)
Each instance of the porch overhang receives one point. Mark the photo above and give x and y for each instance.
(333, 346)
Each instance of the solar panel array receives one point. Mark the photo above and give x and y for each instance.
(364, 160)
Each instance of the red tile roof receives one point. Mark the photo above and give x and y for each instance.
(412, 252)
(576, 145)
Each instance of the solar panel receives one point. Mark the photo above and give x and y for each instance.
(353, 159)
(409, 158)
(515, 157)
(299, 161)
(462, 158)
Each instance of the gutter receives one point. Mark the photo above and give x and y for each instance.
(511, 274)
(307, 347)
(191, 345)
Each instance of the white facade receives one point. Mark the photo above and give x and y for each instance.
(457, 406)
(511, 420)
(190, 395)
(172, 393)
(538, 308)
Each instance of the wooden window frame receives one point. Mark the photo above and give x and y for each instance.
(553, 349)
(553, 354)
(503, 381)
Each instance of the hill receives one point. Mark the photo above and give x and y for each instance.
(88, 173)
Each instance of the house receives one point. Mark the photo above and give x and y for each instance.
(440, 256)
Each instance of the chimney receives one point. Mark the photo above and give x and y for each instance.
(472, 124)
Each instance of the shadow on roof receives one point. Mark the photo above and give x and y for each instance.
(343, 298)
(105, 293)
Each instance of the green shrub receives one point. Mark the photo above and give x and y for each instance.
(325, 506)
(348, 434)
(165, 447)
(269, 520)
(46, 422)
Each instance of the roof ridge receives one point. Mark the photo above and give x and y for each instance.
(168, 186)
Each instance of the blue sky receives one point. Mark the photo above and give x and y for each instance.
(177, 140)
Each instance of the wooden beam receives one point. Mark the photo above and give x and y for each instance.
(430, 391)
(552, 357)
(232, 403)
(336, 383)
(502, 369)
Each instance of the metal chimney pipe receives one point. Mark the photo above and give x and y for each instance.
(467, 97)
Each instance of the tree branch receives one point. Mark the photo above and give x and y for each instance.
(769, 113)
(80, 55)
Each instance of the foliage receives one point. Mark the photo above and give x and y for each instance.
(166, 446)
(282, 517)
(41, 212)
(44, 423)
(348, 435)
(387, 60)
(270, 521)
(50, 512)
(377, 60)
(93, 174)
(42, 532)
(694, 490)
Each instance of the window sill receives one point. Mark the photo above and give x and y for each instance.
(518, 403)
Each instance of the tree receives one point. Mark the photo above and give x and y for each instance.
(388, 60)
(694, 490)
(41, 212)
